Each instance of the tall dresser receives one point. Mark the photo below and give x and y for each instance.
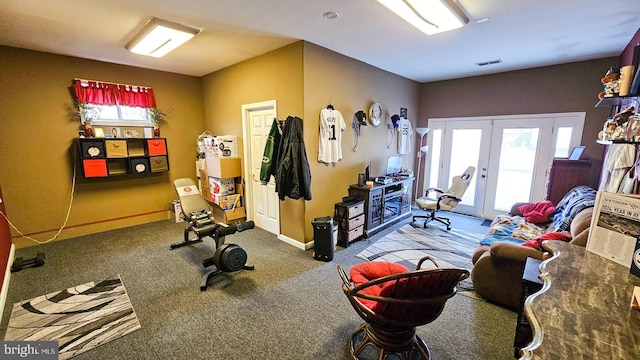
(566, 174)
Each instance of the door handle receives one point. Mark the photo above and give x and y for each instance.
(483, 176)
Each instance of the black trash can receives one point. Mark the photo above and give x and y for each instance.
(323, 238)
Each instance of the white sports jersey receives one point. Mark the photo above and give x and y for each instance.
(331, 126)
(405, 130)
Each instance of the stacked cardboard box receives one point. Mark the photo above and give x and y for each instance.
(221, 146)
(221, 185)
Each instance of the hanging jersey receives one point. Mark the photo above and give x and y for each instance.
(331, 126)
(405, 130)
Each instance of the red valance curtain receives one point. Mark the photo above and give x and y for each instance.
(102, 93)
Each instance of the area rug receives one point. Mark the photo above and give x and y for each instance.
(80, 318)
(412, 242)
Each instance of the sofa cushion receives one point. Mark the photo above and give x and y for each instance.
(505, 252)
(514, 229)
(573, 202)
(581, 222)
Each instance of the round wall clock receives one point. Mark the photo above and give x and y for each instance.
(375, 114)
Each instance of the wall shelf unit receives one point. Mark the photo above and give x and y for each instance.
(112, 157)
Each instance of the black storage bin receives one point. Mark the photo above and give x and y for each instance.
(92, 149)
(323, 238)
(139, 165)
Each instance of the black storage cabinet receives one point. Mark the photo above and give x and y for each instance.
(323, 238)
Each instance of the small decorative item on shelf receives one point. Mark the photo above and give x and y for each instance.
(157, 116)
(87, 112)
(633, 128)
(611, 82)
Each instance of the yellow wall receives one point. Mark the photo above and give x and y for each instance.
(37, 126)
(302, 77)
(350, 85)
(38, 130)
(274, 76)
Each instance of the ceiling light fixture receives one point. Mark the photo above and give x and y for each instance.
(158, 37)
(429, 16)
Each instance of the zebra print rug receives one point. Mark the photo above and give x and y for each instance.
(79, 318)
(412, 242)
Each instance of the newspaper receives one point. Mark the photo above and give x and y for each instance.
(615, 225)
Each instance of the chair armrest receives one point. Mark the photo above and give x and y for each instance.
(424, 259)
(446, 196)
(343, 275)
(438, 190)
(502, 251)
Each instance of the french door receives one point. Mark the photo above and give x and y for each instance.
(511, 154)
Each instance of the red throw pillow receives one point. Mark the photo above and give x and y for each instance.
(537, 213)
(364, 272)
(536, 243)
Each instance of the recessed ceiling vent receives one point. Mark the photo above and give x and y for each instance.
(489, 62)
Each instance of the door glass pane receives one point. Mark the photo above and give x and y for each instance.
(562, 142)
(435, 158)
(515, 167)
(465, 152)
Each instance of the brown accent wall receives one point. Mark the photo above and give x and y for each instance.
(626, 58)
(350, 85)
(37, 134)
(553, 89)
(273, 76)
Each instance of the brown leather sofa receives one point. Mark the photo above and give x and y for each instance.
(498, 267)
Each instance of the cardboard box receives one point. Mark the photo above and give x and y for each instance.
(221, 215)
(221, 146)
(226, 202)
(222, 186)
(201, 164)
(223, 167)
(176, 211)
(205, 193)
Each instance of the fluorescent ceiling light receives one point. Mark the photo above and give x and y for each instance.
(158, 37)
(429, 16)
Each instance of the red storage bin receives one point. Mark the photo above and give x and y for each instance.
(157, 147)
(95, 167)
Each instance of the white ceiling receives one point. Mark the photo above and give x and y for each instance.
(521, 33)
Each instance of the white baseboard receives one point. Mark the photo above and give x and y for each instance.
(296, 243)
(7, 277)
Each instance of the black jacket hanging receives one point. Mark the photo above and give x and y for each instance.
(293, 176)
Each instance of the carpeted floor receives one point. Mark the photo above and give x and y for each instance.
(79, 318)
(290, 307)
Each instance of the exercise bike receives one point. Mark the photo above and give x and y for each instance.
(200, 221)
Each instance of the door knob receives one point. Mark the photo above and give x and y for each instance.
(483, 176)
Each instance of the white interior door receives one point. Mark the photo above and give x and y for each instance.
(262, 203)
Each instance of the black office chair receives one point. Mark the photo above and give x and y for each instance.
(200, 221)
